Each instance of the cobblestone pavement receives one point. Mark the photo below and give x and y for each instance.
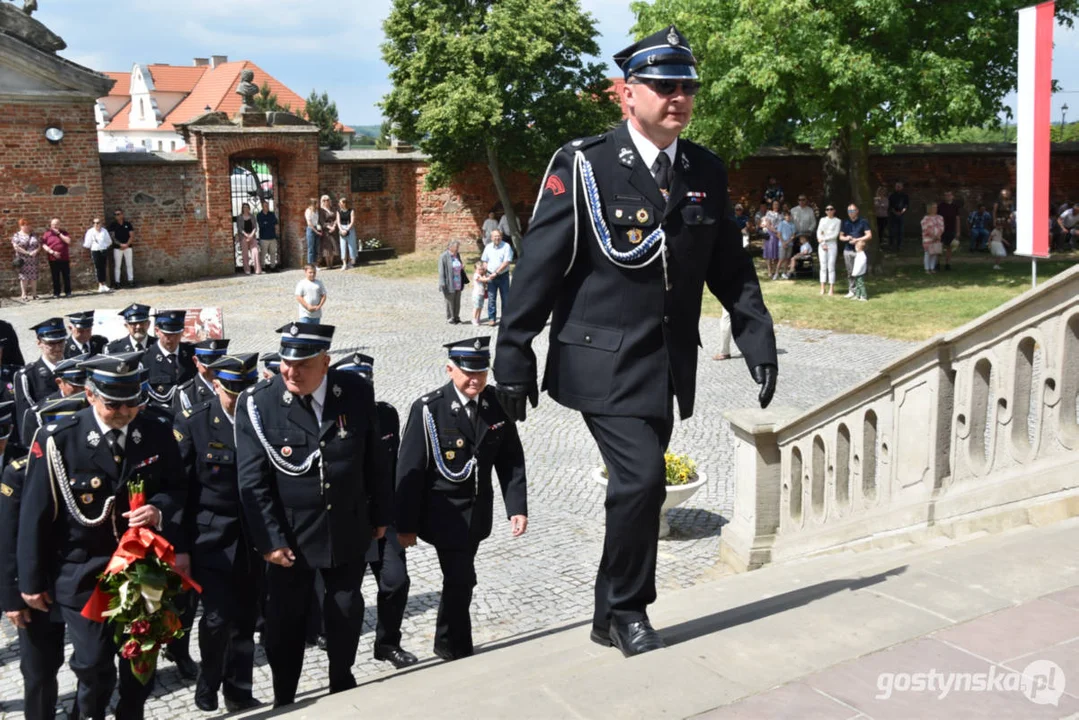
(537, 581)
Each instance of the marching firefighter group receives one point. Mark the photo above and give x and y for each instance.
(277, 487)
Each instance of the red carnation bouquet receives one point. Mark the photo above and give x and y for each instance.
(136, 593)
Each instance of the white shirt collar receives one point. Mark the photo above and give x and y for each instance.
(105, 429)
(49, 365)
(209, 385)
(465, 399)
(647, 149)
(319, 395)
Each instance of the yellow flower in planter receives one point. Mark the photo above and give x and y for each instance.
(681, 470)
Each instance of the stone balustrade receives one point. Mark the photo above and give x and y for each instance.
(974, 430)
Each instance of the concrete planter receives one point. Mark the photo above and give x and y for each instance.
(384, 253)
(676, 495)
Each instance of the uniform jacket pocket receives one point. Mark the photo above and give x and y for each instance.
(590, 336)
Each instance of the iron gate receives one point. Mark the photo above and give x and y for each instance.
(251, 180)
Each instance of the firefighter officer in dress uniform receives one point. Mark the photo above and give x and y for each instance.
(70, 381)
(221, 558)
(171, 363)
(200, 388)
(75, 508)
(315, 491)
(386, 557)
(82, 340)
(271, 362)
(627, 229)
(454, 436)
(137, 321)
(36, 381)
(41, 635)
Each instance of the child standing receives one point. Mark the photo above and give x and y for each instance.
(861, 266)
(311, 295)
(479, 290)
(771, 248)
(932, 231)
(786, 244)
(998, 246)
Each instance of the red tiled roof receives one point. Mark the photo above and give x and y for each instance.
(123, 83)
(121, 120)
(616, 88)
(217, 89)
(176, 78)
(213, 87)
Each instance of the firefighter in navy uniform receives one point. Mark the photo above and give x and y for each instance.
(137, 322)
(200, 388)
(315, 491)
(82, 340)
(222, 561)
(170, 363)
(75, 506)
(10, 339)
(41, 635)
(70, 381)
(454, 437)
(386, 557)
(36, 381)
(627, 229)
(272, 364)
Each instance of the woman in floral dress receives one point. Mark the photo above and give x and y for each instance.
(26, 247)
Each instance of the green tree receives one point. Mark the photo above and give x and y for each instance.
(321, 111)
(266, 100)
(497, 81)
(845, 74)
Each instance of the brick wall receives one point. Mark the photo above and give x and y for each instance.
(40, 181)
(974, 173)
(407, 217)
(165, 201)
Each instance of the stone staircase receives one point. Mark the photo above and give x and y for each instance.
(739, 636)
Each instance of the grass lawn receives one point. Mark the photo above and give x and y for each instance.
(904, 302)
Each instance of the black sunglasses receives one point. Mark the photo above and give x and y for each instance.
(666, 88)
(116, 405)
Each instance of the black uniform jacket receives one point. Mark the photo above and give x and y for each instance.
(325, 515)
(191, 394)
(164, 377)
(618, 333)
(458, 514)
(389, 426)
(97, 346)
(126, 345)
(11, 484)
(212, 517)
(31, 421)
(58, 553)
(12, 353)
(33, 383)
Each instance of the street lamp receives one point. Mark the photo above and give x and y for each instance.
(1063, 115)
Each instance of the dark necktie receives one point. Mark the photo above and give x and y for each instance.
(113, 439)
(307, 401)
(661, 171)
(470, 406)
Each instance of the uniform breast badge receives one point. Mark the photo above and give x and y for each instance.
(460, 442)
(642, 216)
(634, 235)
(86, 498)
(450, 454)
(618, 213)
(286, 397)
(93, 438)
(95, 483)
(136, 436)
(286, 451)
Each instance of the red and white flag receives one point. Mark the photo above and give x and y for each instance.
(1032, 150)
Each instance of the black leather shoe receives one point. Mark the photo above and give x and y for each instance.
(320, 642)
(449, 655)
(400, 658)
(206, 701)
(189, 669)
(247, 703)
(635, 638)
(600, 636)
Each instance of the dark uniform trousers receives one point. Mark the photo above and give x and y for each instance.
(456, 517)
(620, 269)
(41, 642)
(65, 557)
(325, 515)
(222, 561)
(391, 574)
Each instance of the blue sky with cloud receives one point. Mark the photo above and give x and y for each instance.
(334, 49)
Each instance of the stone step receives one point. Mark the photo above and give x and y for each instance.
(734, 637)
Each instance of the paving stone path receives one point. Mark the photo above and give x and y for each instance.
(537, 581)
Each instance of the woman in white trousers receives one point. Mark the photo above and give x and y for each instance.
(828, 248)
